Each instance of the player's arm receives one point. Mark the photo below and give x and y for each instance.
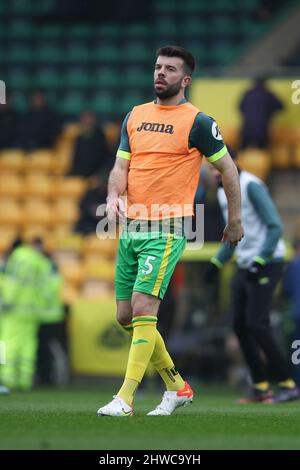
(118, 178)
(205, 136)
(233, 231)
(267, 212)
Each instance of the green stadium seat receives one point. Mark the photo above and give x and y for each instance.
(107, 53)
(49, 54)
(51, 31)
(107, 76)
(222, 54)
(20, 54)
(136, 77)
(77, 53)
(79, 31)
(130, 99)
(109, 31)
(73, 102)
(21, 29)
(19, 101)
(19, 78)
(48, 78)
(166, 27)
(138, 31)
(77, 78)
(136, 52)
(103, 103)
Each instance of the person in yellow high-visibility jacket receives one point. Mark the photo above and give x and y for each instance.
(30, 296)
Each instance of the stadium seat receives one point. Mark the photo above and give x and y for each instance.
(65, 211)
(40, 161)
(70, 187)
(104, 270)
(37, 212)
(32, 231)
(69, 293)
(280, 156)
(11, 213)
(92, 246)
(12, 161)
(72, 272)
(8, 234)
(281, 135)
(255, 161)
(11, 185)
(39, 185)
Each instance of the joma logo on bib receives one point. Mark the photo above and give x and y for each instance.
(156, 127)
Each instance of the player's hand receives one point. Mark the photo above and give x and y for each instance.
(115, 209)
(254, 273)
(233, 233)
(211, 274)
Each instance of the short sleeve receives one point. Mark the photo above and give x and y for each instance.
(124, 147)
(206, 137)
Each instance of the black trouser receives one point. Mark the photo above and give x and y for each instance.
(251, 306)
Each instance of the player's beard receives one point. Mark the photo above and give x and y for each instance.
(169, 91)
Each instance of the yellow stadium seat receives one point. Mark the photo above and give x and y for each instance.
(71, 130)
(37, 212)
(8, 234)
(71, 241)
(69, 293)
(255, 161)
(231, 136)
(65, 211)
(71, 272)
(71, 187)
(33, 231)
(104, 270)
(92, 246)
(280, 156)
(11, 213)
(12, 161)
(40, 160)
(282, 135)
(11, 185)
(39, 185)
(96, 289)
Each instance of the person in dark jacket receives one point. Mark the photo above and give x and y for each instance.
(258, 105)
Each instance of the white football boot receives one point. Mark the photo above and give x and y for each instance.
(173, 400)
(117, 407)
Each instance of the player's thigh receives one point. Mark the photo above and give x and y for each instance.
(157, 259)
(126, 270)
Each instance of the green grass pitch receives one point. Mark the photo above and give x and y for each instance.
(66, 419)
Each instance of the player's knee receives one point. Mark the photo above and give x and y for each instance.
(144, 304)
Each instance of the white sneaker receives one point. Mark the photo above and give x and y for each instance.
(117, 407)
(173, 400)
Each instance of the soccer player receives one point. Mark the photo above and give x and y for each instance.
(259, 268)
(158, 163)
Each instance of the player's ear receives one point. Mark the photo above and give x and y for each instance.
(186, 81)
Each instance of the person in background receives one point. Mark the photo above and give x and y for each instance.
(257, 106)
(91, 153)
(38, 127)
(8, 121)
(259, 259)
(94, 196)
(30, 293)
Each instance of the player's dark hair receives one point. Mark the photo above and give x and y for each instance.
(177, 51)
